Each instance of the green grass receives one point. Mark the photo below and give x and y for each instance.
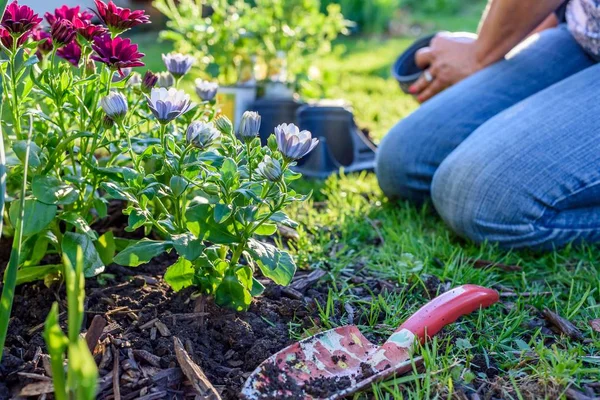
(532, 362)
(355, 225)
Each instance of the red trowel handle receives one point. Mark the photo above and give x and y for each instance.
(447, 308)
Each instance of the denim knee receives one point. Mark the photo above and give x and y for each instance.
(485, 205)
(408, 156)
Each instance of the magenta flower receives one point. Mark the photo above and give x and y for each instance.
(63, 32)
(44, 42)
(19, 20)
(68, 13)
(119, 19)
(71, 52)
(88, 30)
(117, 53)
(7, 39)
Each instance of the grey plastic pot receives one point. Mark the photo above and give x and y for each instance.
(405, 69)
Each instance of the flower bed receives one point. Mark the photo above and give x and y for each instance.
(86, 140)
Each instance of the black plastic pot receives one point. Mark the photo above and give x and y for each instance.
(405, 69)
(274, 112)
(341, 144)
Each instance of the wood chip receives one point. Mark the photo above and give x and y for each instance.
(148, 357)
(115, 375)
(563, 325)
(40, 326)
(288, 233)
(37, 377)
(573, 394)
(194, 373)
(485, 264)
(155, 395)
(595, 324)
(304, 283)
(350, 310)
(153, 333)
(46, 364)
(37, 389)
(170, 375)
(148, 324)
(292, 293)
(93, 334)
(162, 329)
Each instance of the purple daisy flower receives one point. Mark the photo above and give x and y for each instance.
(44, 40)
(178, 64)
(7, 39)
(19, 20)
(120, 19)
(71, 52)
(68, 13)
(88, 30)
(117, 53)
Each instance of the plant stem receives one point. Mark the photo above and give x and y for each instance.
(10, 275)
(15, 101)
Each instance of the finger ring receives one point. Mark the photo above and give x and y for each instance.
(427, 75)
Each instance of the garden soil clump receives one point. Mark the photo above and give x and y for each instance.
(141, 316)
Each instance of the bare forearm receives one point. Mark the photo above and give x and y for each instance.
(506, 23)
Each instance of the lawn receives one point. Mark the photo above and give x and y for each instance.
(349, 229)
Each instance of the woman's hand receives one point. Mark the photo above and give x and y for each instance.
(450, 58)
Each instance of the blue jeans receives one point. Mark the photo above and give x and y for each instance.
(510, 155)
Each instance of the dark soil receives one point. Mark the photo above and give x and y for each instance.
(143, 315)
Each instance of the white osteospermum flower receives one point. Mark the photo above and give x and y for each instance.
(178, 64)
(202, 134)
(206, 90)
(114, 105)
(168, 104)
(270, 168)
(293, 143)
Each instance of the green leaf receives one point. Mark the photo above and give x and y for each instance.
(106, 247)
(222, 212)
(115, 192)
(82, 371)
(101, 208)
(180, 275)
(283, 219)
(178, 185)
(257, 288)
(92, 264)
(142, 252)
(201, 222)
(188, 246)
(36, 218)
(266, 230)
(51, 190)
(56, 343)
(32, 274)
(275, 264)
(232, 293)
(229, 173)
(35, 153)
(79, 223)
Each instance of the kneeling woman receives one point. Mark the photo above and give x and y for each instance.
(507, 142)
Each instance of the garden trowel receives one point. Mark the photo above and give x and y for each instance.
(341, 361)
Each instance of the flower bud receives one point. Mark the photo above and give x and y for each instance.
(165, 80)
(62, 32)
(249, 125)
(178, 64)
(202, 134)
(224, 124)
(149, 81)
(107, 122)
(270, 168)
(118, 77)
(114, 105)
(206, 90)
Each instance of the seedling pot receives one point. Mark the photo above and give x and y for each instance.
(405, 69)
(234, 100)
(274, 112)
(341, 144)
